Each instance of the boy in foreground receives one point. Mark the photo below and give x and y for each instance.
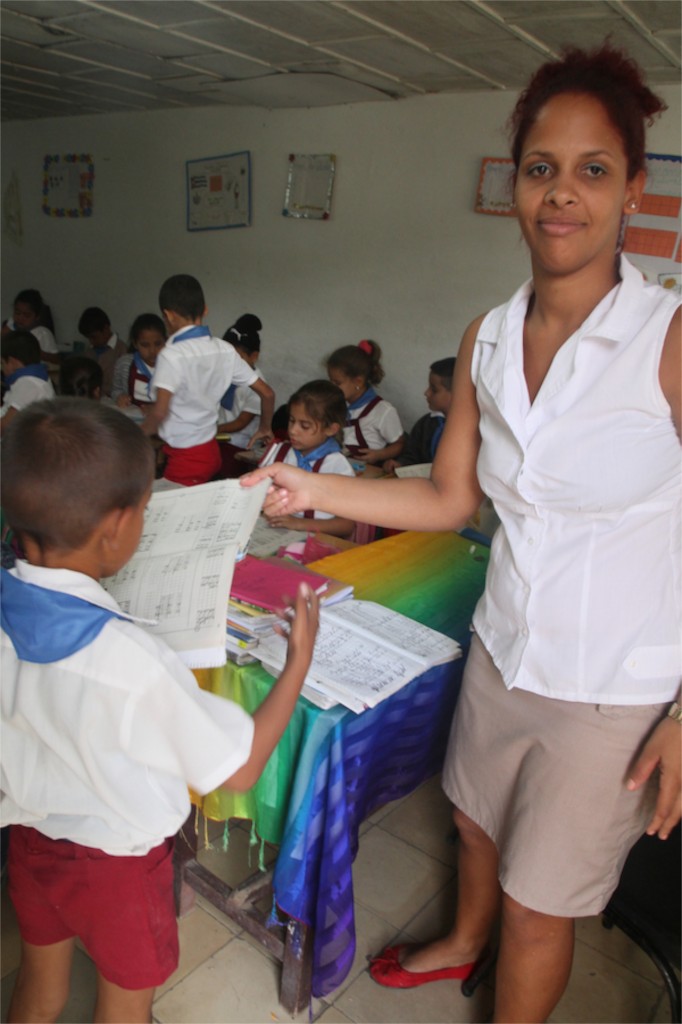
(103, 727)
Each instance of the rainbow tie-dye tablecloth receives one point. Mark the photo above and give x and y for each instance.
(333, 768)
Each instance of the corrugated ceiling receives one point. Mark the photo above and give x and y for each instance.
(67, 57)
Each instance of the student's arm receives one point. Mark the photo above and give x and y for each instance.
(241, 421)
(52, 358)
(271, 717)
(336, 526)
(372, 456)
(443, 502)
(6, 418)
(267, 402)
(157, 413)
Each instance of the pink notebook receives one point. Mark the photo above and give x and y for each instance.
(266, 584)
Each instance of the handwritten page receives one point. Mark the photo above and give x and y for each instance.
(365, 652)
(421, 469)
(179, 578)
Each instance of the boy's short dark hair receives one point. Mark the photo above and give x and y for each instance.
(445, 369)
(66, 463)
(80, 377)
(21, 345)
(93, 319)
(323, 401)
(182, 294)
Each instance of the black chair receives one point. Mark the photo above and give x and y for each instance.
(647, 907)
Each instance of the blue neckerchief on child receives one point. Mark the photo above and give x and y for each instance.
(364, 398)
(437, 434)
(185, 333)
(45, 625)
(145, 370)
(33, 370)
(228, 398)
(307, 462)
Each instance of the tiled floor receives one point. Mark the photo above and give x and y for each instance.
(404, 885)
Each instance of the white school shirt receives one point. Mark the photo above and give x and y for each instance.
(100, 747)
(24, 391)
(582, 598)
(198, 372)
(245, 400)
(335, 462)
(380, 427)
(46, 339)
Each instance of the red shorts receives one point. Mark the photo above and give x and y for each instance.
(122, 908)
(191, 466)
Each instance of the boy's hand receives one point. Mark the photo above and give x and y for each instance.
(389, 467)
(304, 616)
(264, 437)
(123, 401)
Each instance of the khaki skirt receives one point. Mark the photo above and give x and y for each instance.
(545, 779)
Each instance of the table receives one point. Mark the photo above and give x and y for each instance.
(333, 768)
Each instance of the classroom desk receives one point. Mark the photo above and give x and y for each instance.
(333, 768)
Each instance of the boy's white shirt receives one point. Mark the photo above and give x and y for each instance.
(24, 391)
(197, 372)
(100, 747)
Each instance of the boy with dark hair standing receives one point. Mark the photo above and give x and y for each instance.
(26, 377)
(191, 375)
(103, 727)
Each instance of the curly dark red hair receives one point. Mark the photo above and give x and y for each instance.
(608, 75)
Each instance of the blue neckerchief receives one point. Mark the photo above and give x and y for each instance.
(45, 625)
(185, 333)
(307, 462)
(34, 370)
(364, 398)
(145, 370)
(437, 434)
(228, 398)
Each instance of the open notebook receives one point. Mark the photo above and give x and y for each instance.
(179, 578)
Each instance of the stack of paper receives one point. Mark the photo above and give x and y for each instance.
(363, 654)
(179, 579)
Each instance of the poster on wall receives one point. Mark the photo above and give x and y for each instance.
(653, 239)
(495, 192)
(310, 182)
(219, 192)
(68, 183)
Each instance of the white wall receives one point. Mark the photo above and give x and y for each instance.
(403, 259)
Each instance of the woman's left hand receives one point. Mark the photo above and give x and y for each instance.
(663, 750)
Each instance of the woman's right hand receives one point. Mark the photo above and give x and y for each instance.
(290, 491)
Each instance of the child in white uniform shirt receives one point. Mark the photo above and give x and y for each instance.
(317, 413)
(28, 314)
(372, 432)
(240, 406)
(103, 727)
(26, 378)
(192, 374)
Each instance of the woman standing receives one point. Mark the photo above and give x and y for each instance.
(566, 412)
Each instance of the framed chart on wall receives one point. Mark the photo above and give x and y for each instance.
(219, 192)
(654, 234)
(495, 192)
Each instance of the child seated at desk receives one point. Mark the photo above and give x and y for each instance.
(193, 371)
(26, 378)
(239, 414)
(372, 431)
(104, 344)
(29, 313)
(80, 377)
(104, 728)
(133, 372)
(423, 439)
(317, 413)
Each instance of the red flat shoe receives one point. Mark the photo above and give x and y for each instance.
(387, 970)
